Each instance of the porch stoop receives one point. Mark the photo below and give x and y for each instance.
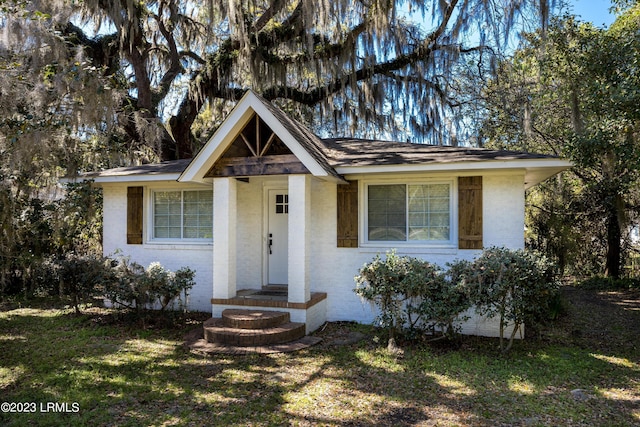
(313, 313)
(246, 328)
(243, 331)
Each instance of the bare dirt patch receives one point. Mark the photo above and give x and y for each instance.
(601, 320)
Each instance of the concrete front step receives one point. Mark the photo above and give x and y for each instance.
(254, 319)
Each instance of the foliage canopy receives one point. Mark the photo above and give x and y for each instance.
(138, 74)
(574, 92)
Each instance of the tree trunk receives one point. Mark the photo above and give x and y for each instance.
(614, 245)
(180, 128)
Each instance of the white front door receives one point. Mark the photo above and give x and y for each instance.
(278, 237)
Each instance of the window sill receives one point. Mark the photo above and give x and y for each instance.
(178, 244)
(409, 248)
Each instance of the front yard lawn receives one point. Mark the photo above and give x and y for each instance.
(95, 369)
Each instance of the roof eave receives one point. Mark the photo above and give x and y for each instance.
(536, 170)
(536, 175)
(138, 178)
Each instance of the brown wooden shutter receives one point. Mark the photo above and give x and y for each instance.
(134, 215)
(348, 215)
(470, 212)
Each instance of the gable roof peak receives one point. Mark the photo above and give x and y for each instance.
(303, 143)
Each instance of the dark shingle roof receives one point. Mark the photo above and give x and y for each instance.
(365, 152)
(169, 167)
(337, 152)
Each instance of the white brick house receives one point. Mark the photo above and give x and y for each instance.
(266, 202)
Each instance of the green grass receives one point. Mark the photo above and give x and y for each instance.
(134, 375)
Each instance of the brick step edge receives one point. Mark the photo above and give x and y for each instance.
(216, 332)
(254, 319)
(198, 345)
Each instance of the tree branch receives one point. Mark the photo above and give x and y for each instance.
(208, 82)
(421, 52)
(275, 7)
(102, 50)
(176, 67)
(193, 56)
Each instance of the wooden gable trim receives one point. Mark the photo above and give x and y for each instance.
(347, 208)
(282, 164)
(470, 212)
(256, 151)
(134, 215)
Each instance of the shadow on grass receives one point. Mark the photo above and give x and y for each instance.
(122, 375)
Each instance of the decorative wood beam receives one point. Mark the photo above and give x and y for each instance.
(257, 135)
(246, 141)
(268, 144)
(284, 164)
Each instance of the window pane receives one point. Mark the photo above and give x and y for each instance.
(439, 190)
(191, 220)
(418, 204)
(439, 220)
(418, 233)
(183, 214)
(175, 208)
(166, 211)
(190, 233)
(439, 233)
(439, 205)
(175, 220)
(387, 212)
(174, 232)
(429, 217)
(198, 215)
(190, 196)
(190, 208)
(162, 209)
(417, 219)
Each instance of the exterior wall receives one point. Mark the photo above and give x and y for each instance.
(503, 211)
(172, 256)
(333, 269)
(251, 238)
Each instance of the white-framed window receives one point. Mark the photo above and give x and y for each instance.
(182, 215)
(411, 212)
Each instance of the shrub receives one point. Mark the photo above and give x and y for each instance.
(440, 303)
(124, 290)
(411, 294)
(163, 286)
(137, 288)
(84, 276)
(44, 277)
(35, 231)
(516, 285)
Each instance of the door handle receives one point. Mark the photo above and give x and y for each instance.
(270, 243)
